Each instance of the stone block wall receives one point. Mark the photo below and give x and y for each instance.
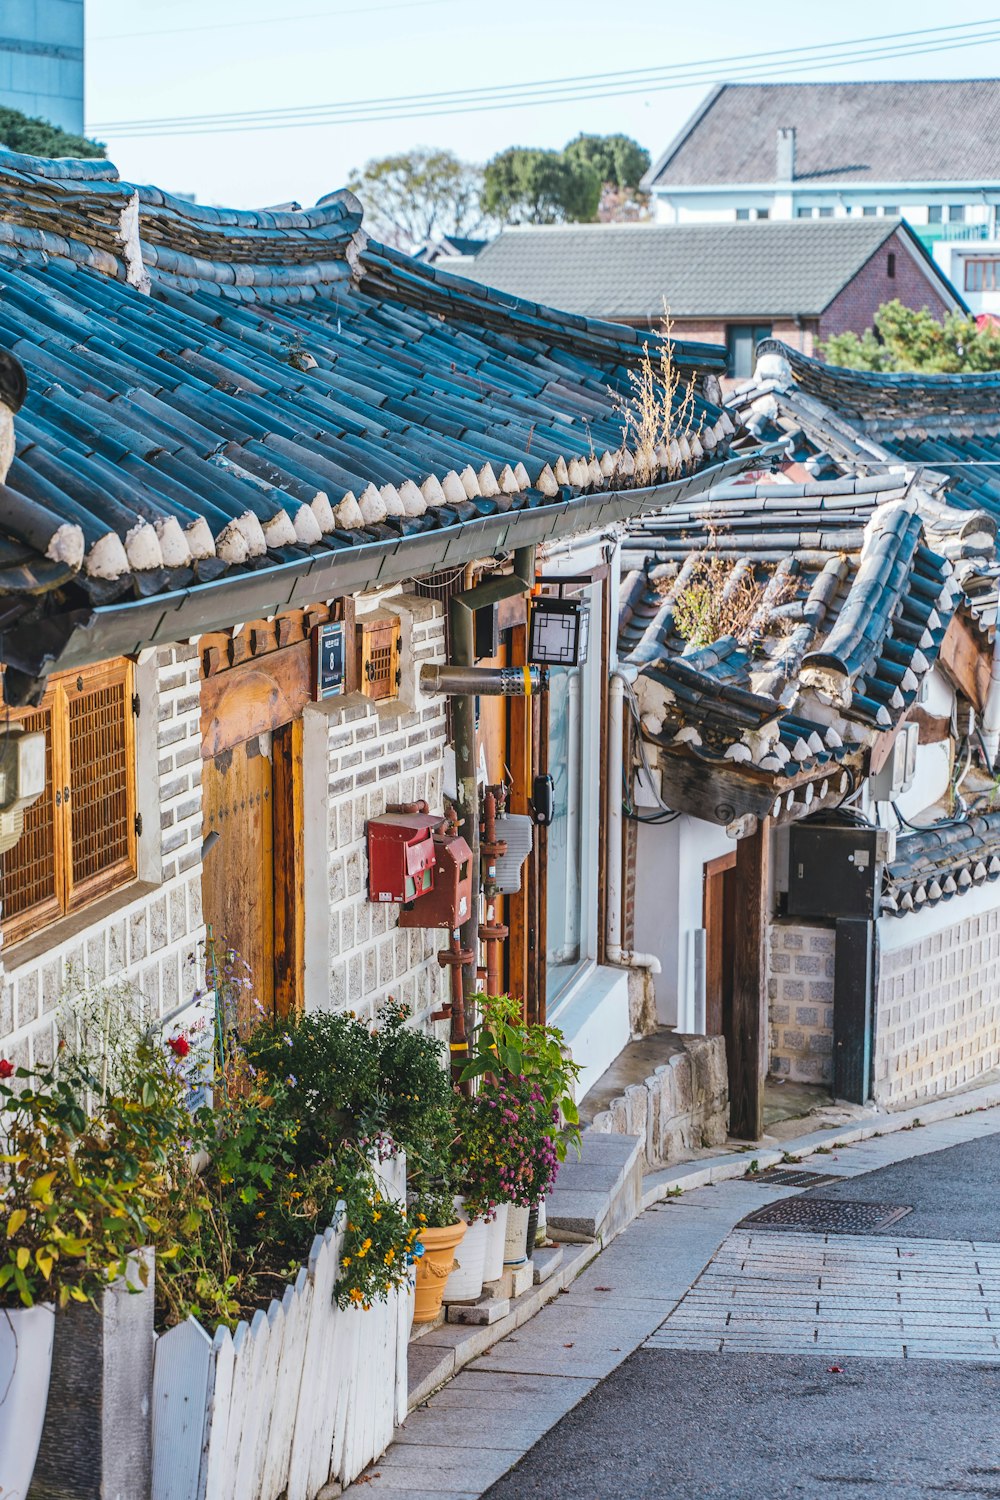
(380, 756)
(147, 935)
(800, 991)
(937, 1023)
(682, 1106)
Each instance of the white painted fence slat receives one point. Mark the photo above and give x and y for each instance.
(286, 1394)
(309, 1392)
(220, 1380)
(269, 1374)
(251, 1399)
(234, 1430)
(181, 1364)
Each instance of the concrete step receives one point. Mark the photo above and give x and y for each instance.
(599, 1193)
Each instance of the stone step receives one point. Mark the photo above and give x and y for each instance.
(546, 1260)
(599, 1193)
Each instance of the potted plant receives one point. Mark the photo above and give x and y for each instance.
(438, 1233)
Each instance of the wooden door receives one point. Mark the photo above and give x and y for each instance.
(719, 921)
(238, 875)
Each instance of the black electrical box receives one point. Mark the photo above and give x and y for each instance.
(834, 870)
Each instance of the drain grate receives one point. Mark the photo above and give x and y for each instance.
(789, 1177)
(826, 1216)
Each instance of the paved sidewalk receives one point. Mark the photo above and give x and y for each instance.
(478, 1426)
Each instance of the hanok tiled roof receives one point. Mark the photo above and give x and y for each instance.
(933, 132)
(214, 393)
(757, 269)
(852, 608)
(943, 429)
(947, 424)
(937, 864)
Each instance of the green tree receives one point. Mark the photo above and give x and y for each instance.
(410, 197)
(526, 185)
(35, 137)
(904, 339)
(619, 160)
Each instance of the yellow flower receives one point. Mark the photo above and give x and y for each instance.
(376, 1217)
(355, 1295)
(389, 1257)
(422, 1218)
(345, 1261)
(367, 1245)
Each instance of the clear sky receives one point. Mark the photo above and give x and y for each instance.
(170, 58)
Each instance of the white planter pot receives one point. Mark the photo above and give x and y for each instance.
(515, 1240)
(25, 1363)
(465, 1283)
(496, 1234)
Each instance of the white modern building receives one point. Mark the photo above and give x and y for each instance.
(919, 150)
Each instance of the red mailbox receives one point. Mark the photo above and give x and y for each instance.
(450, 902)
(401, 856)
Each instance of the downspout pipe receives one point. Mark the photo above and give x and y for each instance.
(462, 653)
(613, 950)
(991, 708)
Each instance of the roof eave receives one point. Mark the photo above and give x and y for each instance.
(80, 639)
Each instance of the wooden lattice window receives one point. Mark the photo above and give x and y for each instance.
(379, 643)
(79, 837)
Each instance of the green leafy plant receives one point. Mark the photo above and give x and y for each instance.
(81, 1189)
(504, 1044)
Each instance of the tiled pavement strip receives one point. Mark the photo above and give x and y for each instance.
(680, 1277)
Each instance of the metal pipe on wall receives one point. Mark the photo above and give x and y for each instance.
(613, 950)
(462, 615)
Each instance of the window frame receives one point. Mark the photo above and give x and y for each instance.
(71, 894)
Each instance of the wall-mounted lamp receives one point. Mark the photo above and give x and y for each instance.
(558, 632)
(209, 842)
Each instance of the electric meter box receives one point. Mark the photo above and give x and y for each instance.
(835, 870)
(401, 856)
(450, 902)
(897, 775)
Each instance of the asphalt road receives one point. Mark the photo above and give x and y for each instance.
(954, 1194)
(687, 1425)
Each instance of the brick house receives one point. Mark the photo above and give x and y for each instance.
(228, 438)
(729, 283)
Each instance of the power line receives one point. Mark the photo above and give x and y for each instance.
(602, 79)
(566, 90)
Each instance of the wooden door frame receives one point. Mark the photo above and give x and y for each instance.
(287, 806)
(712, 870)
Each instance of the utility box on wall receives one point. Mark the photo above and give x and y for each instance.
(835, 871)
(450, 901)
(401, 856)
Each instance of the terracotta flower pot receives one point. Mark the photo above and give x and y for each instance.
(25, 1363)
(434, 1267)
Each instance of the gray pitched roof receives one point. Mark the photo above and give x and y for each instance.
(944, 131)
(755, 269)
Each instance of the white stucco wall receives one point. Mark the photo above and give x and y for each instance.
(670, 861)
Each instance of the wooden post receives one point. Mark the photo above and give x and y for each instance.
(748, 1064)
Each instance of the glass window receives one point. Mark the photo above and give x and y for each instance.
(868, 212)
(956, 213)
(890, 263)
(743, 213)
(741, 345)
(935, 213)
(982, 275)
(763, 213)
(571, 892)
(826, 213)
(803, 213)
(891, 210)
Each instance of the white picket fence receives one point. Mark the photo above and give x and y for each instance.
(305, 1393)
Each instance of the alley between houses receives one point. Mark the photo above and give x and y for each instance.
(699, 1355)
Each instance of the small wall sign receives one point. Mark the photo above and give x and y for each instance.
(328, 660)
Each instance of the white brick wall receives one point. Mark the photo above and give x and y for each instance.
(800, 990)
(148, 933)
(937, 1021)
(380, 756)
